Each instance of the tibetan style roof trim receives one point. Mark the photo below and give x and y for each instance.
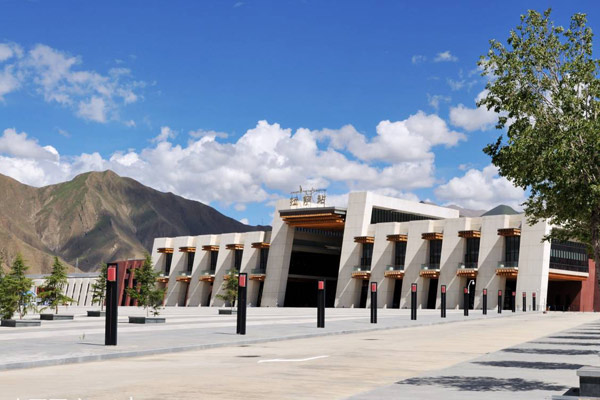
(469, 234)
(364, 239)
(188, 249)
(361, 275)
(261, 245)
(166, 250)
(234, 246)
(509, 232)
(430, 273)
(508, 272)
(210, 247)
(399, 237)
(433, 236)
(331, 218)
(467, 272)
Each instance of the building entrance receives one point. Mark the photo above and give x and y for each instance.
(564, 295)
(397, 293)
(432, 293)
(509, 288)
(306, 269)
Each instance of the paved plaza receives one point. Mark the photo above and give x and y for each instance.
(284, 355)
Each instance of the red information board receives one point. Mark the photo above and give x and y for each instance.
(242, 280)
(485, 292)
(413, 287)
(321, 285)
(373, 287)
(443, 288)
(111, 274)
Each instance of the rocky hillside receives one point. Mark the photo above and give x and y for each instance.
(97, 217)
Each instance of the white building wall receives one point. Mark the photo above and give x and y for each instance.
(453, 252)
(200, 290)
(416, 254)
(383, 255)
(224, 263)
(534, 264)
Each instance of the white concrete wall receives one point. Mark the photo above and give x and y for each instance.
(534, 264)
(200, 290)
(453, 252)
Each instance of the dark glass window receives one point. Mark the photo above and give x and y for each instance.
(367, 254)
(190, 262)
(472, 253)
(399, 253)
(264, 256)
(237, 259)
(213, 260)
(380, 215)
(168, 259)
(435, 251)
(511, 250)
(571, 256)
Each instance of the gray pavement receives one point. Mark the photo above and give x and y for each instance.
(537, 369)
(82, 339)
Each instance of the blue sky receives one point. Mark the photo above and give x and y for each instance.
(236, 103)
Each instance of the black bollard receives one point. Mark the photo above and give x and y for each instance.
(112, 306)
(533, 301)
(443, 301)
(499, 301)
(373, 302)
(241, 312)
(413, 302)
(466, 302)
(484, 301)
(524, 301)
(321, 304)
(514, 302)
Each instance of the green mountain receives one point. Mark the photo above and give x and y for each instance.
(500, 210)
(97, 217)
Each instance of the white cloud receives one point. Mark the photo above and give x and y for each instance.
(436, 99)
(455, 85)
(58, 78)
(480, 189)
(472, 119)
(245, 221)
(202, 133)
(445, 56)
(418, 59)
(264, 163)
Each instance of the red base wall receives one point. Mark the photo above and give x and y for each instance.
(589, 298)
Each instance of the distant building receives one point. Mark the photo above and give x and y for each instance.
(391, 241)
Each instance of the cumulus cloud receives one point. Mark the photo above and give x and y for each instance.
(266, 162)
(58, 78)
(437, 99)
(471, 119)
(481, 189)
(445, 56)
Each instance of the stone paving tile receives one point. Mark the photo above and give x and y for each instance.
(537, 369)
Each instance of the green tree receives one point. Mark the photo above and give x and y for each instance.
(99, 287)
(15, 291)
(545, 87)
(146, 293)
(230, 288)
(52, 290)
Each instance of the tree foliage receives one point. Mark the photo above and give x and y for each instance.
(544, 85)
(230, 288)
(146, 293)
(15, 291)
(99, 287)
(52, 292)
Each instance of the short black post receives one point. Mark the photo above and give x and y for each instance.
(466, 302)
(443, 301)
(533, 301)
(524, 301)
(112, 305)
(514, 302)
(499, 301)
(321, 304)
(373, 302)
(413, 301)
(484, 301)
(241, 312)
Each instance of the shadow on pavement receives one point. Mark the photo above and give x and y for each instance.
(569, 343)
(562, 352)
(483, 383)
(529, 364)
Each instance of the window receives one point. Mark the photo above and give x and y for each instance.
(237, 259)
(168, 259)
(472, 252)
(367, 254)
(571, 256)
(213, 260)
(380, 215)
(435, 251)
(264, 255)
(511, 250)
(190, 262)
(399, 253)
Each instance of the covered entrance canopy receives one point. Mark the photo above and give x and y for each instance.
(326, 218)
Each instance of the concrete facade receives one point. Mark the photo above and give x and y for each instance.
(301, 231)
(79, 286)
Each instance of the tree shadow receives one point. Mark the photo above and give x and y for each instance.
(565, 352)
(483, 383)
(529, 364)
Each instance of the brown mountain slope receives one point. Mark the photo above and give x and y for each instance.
(97, 217)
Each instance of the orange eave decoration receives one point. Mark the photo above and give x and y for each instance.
(554, 276)
(361, 274)
(166, 250)
(318, 220)
(210, 247)
(257, 277)
(399, 237)
(261, 245)
(187, 249)
(509, 232)
(234, 246)
(184, 279)
(469, 234)
(394, 274)
(162, 279)
(207, 278)
(432, 236)
(429, 273)
(364, 239)
(467, 272)
(508, 272)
